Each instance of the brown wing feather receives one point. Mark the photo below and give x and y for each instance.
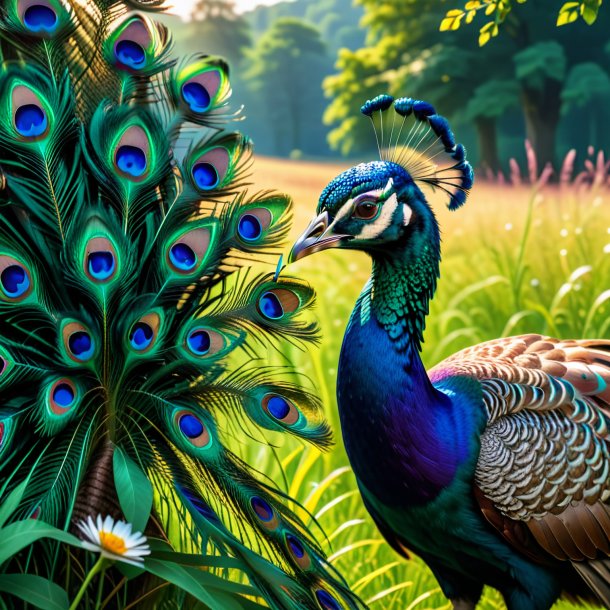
(543, 473)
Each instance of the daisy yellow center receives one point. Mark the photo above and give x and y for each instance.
(113, 543)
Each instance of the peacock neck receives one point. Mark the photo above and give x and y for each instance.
(391, 414)
(402, 286)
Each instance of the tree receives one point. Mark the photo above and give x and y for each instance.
(587, 92)
(488, 103)
(216, 27)
(450, 77)
(531, 53)
(284, 73)
(498, 10)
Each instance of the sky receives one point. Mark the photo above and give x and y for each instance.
(184, 7)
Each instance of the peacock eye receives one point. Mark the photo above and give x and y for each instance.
(366, 210)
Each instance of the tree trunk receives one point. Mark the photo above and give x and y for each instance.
(541, 112)
(488, 144)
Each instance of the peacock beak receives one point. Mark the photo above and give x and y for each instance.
(317, 236)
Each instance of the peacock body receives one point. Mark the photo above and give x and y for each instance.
(493, 466)
(126, 298)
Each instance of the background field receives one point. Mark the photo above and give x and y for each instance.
(514, 260)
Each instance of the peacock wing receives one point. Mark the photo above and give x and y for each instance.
(542, 473)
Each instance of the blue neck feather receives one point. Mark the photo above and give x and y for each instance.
(405, 438)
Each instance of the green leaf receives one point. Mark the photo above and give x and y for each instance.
(205, 587)
(9, 506)
(35, 590)
(20, 534)
(540, 61)
(589, 14)
(133, 488)
(128, 570)
(452, 20)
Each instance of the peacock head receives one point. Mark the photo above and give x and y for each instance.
(378, 207)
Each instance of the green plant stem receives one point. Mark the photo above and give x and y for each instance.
(519, 267)
(99, 565)
(100, 587)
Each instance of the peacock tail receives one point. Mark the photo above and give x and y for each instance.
(126, 237)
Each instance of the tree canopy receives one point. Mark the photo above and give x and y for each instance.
(496, 12)
(284, 73)
(526, 68)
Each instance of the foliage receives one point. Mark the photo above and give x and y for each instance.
(178, 569)
(283, 74)
(406, 54)
(224, 31)
(337, 20)
(499, 10)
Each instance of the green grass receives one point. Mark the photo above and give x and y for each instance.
(513, 262)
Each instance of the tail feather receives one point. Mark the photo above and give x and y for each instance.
(596, 574)
(128, 312)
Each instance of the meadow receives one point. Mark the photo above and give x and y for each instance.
(516, 259)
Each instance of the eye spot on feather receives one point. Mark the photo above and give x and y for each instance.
(62, 396)
(194, 430)
(30, 120)
(40, 18)
(274, 304)
(188, 252)
(101, 265)
(202, 342)
(196, 96)
(81, 345)
(209, 168)
(298, 552)
(249, 227)
(29, 114)
(78, 342)
(143, 333)
(131, 154)
(252, 224)
(262, 509)
(130, 53)
(280, 409)
(182, 256)
(141, 336)
(205, 176)
(264, 513)
(131, 160)
(199, 91)
(130, 43)
(295, 546)
(100, 260)
(270, 306)
(15, 281)
(327, 601)
(199, 341)
(191, 427)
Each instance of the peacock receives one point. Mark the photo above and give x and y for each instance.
(135, 325)
(494, 466)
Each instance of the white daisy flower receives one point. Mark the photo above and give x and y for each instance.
(114, 540)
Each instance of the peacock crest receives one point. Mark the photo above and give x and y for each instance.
(426, 149)
(126, 237)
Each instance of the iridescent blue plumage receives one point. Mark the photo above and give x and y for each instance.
(493, 467)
